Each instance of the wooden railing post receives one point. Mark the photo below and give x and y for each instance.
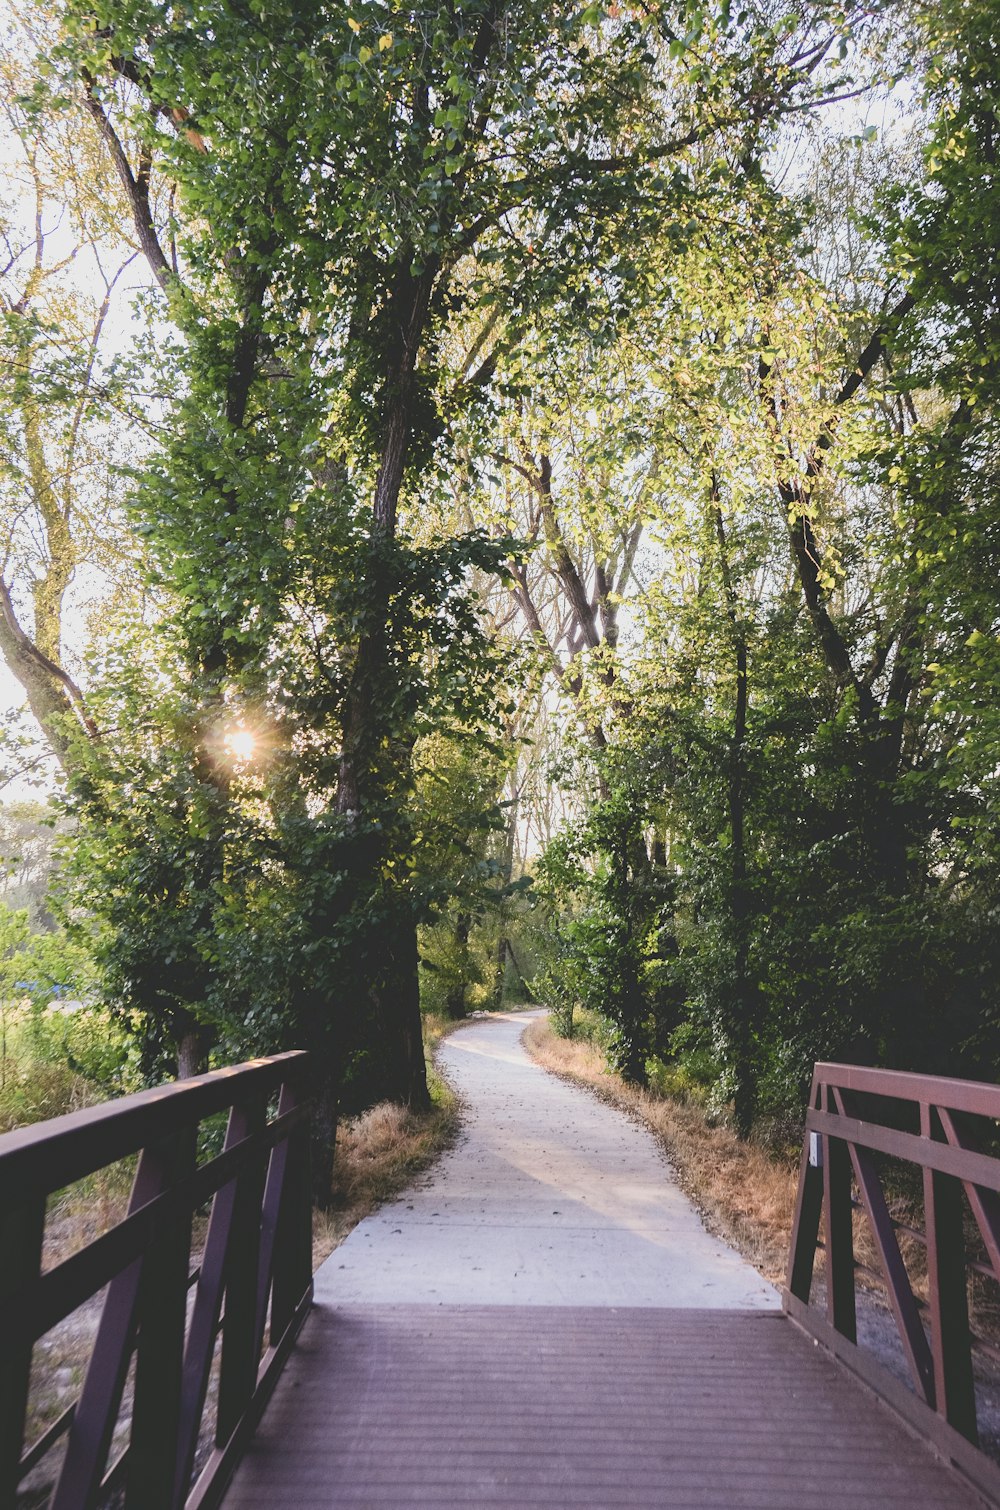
(162, 1318)
(840, 1302)
(240, 1339)
(954, 1388)
(808, 1211)
(291, 1213)
(21, 1232)
(205, 1315)
(97, 1409)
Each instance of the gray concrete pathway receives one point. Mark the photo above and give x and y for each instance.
(549, 1198)
(544, 1324)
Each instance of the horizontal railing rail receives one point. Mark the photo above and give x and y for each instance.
(946, 1130)
(179, 1333)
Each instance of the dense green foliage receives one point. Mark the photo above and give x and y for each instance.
(821, 743)
(564, 549)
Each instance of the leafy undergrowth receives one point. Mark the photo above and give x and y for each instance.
(745, 1194)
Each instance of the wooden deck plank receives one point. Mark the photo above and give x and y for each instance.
(392, 1407)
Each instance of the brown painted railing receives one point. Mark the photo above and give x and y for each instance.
(255, 1276)
(857, 1118)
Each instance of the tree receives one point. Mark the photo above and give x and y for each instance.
(61, 429)
(343, 189)
(809, 695)
(28, 834)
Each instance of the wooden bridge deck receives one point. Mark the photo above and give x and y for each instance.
(531, 1406)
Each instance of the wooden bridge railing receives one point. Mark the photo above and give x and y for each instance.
(254, 1275)
(947, 1129)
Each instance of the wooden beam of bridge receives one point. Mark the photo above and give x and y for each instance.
(420, 1405)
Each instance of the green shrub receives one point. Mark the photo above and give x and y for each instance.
(54, 1061)
(33, 1085)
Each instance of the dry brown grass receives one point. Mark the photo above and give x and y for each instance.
(378, 1154)
(745, 1192)
(746, 1195)
(380, 1151)
(435, 1027)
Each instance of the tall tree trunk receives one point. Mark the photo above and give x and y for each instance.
(192, 1051)
(500, 971)
(323, 1121)
(455, 999)
(745, 1003)
(395, 998)
(394, 988)
(506, 875)
(393, 983)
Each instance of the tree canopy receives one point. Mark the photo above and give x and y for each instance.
(537, 516)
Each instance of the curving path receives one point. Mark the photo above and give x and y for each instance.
(549, 1198)
(543, 1323)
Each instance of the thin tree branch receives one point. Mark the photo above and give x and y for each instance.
(136, 191)
(27, 655)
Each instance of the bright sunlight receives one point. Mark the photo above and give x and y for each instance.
(241, 745)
